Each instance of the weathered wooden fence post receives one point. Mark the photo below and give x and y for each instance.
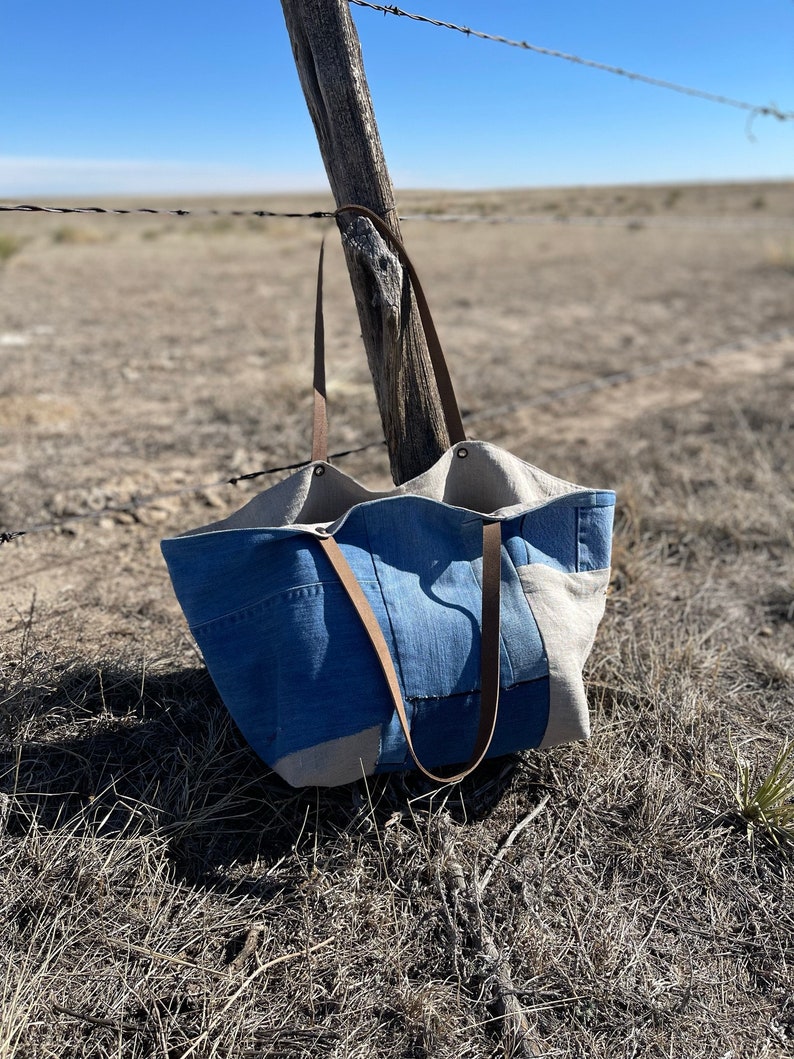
(328, 57)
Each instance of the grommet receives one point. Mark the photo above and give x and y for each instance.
(463, 453)
(319, 470)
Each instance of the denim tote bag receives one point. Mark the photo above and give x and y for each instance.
(353, 632)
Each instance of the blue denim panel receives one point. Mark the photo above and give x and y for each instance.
(550, 534)
(221, 572)
(551, 531)
(594, 534)
(225, 571)
(298, 669)
(444, 730)
(428, 559)
(604, 497)
(423, 554)
(523, 717)
(292, 663)
(523, 656)
(394, 756)
(513, 541)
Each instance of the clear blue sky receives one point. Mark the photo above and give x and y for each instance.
(161, 97)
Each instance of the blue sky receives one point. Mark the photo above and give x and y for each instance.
(175, 97)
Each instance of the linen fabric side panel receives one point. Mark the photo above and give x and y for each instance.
(567, 608)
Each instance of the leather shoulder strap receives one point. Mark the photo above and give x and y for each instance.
(320, 423)
(446, 392)
(489, 645)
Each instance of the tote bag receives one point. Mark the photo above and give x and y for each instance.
(352, 632)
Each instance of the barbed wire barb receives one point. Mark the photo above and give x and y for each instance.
(769, 110)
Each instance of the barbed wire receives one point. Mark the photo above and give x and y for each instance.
(177, 211)
(727, 224)
(634, 221)
(768, 110)
(600, 382)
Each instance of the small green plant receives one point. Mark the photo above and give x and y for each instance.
(766, 801)
(9, 245)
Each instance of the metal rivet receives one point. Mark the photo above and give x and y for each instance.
(463, 453)
(319, 470)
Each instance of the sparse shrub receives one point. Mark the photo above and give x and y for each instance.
(9, 245)
(672, 197)
(758, 202)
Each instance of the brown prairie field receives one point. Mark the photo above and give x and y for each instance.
(162, 893)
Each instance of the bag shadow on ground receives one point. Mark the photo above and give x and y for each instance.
(113, 752)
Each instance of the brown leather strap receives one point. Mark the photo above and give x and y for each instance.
(446, 392)
(489, 644)
(320, 424)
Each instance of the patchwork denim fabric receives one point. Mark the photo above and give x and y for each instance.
(291, 658)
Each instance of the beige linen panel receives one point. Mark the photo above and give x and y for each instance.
(332, 763)
(567, 608)
(486, 479)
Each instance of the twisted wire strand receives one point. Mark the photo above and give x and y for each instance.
(765, 110)
(177, 211)
(718, 224)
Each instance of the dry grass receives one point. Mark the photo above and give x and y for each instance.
(78, 235)
(9, 245)
(163, 895)
(155, 876)
(780, 255)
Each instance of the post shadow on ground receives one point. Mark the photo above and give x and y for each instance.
(116, 745)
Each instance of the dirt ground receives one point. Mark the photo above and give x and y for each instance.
(158, 356)
(142, 355)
